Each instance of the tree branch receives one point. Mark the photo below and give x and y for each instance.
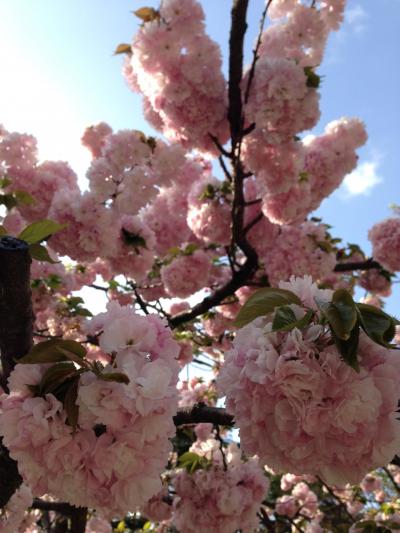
(236, 40)
(16, 324)
(201, 413)
(368, 264)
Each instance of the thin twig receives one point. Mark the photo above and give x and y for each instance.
(390, 476)
(255, 52)
(224, 168)
(221, 446)
(368, 264)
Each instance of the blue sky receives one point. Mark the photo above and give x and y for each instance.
(59, 75)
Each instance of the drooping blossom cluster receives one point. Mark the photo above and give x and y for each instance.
(300, 407)
(299, 250)
(294, 177)
(209, 214)
(113, 460)
(40, 181)
(177, 68)
(218, 499)
(385, 239)
(186, 274)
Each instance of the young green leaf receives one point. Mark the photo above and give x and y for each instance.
(118, 377)
(263, 302)
(341, 313)
(40, 231)
(56, 375)
(348, 348)
(191, 461)
(50, 352)
(285, 319)
(40, 253)
(377, 324)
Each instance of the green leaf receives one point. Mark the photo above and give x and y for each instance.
(263, 302)
(284, 316)
(24, 198)
(71, 356)
(190, 249)
(123, 48)
(147, 14)
(56, 375)
(377, 324)
(285, 319)
(5, 182)
(40, 253)
(3, 231)
(40, 231)
(348, 348)
(191, 461)
(208, 193)
(119, 377)
(53, 351)
(341, 313)
(70, 406)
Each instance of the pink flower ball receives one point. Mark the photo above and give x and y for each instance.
(385, 238)
(301, 408)
(117, 469)
(186, 274)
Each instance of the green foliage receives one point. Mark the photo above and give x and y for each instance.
(55, 351)
(264, 302)
(285, 319)
(192, 462)
(40, 231)
(40, 253)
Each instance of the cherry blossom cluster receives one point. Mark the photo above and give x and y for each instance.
(294, 177)
(113, 460)
(385, 238)
(299, 250)
(300, 407)
(215, 498)
(40, 181)
(177, 68)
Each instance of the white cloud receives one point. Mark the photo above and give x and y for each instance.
(362, 180)
(356, 18)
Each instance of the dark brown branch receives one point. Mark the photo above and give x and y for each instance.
(253, 222)
(16, 323)
(238, 280)
(78, 515)
(200, 413)
(235, 117)
(98, 287)
(368, 264)
(236, 40)
(219, 146)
